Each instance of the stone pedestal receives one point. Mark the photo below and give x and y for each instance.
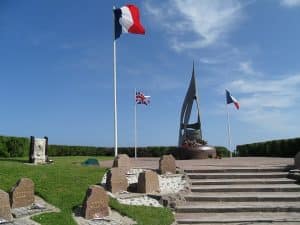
(95, 204)
(167, 163)
(5, 212)
(116, 180)
(123, 162)
(22, 194)
(148, 182)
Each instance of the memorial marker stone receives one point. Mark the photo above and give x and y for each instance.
(22, 194)
(116, 180)
(95, 204)
(123, 162)
(5, 212)
(167, 163)
(38, 150)
(148, 182)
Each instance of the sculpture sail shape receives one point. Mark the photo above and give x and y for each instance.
(190, 134)
(186, 130)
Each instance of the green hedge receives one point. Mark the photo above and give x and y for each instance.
(14, 146)
(19, 146)
(274, 148)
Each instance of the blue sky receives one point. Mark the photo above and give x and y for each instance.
(56, 70)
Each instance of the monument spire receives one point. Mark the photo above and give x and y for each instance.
(187, 129)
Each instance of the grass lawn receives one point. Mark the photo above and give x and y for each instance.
(64, 184)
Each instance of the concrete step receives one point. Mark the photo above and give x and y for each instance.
(241, 181)
(261, 218)
(230, 207)
(243, 197)
(247, 188)
(240, 170)
(237, 175)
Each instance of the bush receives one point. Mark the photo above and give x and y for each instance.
(14, 146)
(273, 148)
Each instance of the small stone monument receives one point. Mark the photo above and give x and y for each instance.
(38, 150)
(5, 212)
(95, 204)
(167, 163)
(116, 180)
(297, 161)
(123, 162)
(22, 194)
(148, 182)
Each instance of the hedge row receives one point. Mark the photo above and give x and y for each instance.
(274, 148)
(19, 146)
(14, 146)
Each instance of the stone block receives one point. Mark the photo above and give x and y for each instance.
(167, 163)
(5, 211)
(123, 162)
(95, 204)
(116, 180)
(22, 194)
(148, 182)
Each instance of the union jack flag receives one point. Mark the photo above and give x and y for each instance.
(140, 98)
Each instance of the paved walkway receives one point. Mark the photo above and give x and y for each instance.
(236, 162)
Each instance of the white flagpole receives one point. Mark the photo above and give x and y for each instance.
(228, 128)
(115, 89)
(135, 151)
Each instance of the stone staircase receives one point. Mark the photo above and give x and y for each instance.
(240, 196)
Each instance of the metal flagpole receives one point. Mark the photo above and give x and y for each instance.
(115, 89)
(135, 152)
(228, 128)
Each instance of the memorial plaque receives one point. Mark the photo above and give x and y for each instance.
(123, 162)
(116, 180)
(148, 182)
(5, 212)
(167, 163)
(22, 194)
(95, 204)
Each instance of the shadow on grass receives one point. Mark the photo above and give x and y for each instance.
(14, 160)
(77, 210)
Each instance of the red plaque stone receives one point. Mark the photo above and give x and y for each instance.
(167, 163)
(22, 194)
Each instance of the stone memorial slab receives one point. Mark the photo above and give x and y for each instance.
(38, 150)
(297, 161)
(123, 162)
(95, 204)
(22, 194)
(148, 182)
(167, 163)
(116, 180)
(5, 212)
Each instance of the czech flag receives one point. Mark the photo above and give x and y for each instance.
(230, 99)
(127, 20)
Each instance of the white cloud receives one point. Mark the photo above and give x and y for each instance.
(196, 24)
(290, 3)
(246, 68)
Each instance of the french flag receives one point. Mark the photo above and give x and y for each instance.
(127, 20)
(230, 99)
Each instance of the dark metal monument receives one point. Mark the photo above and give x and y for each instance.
(190, 135)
